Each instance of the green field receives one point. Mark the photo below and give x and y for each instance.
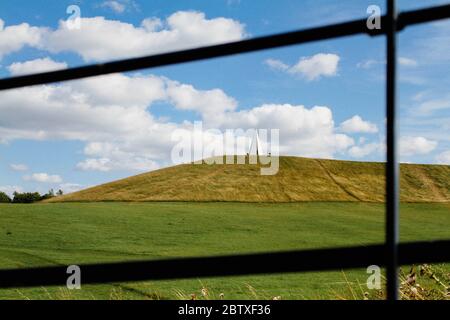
(77, 233)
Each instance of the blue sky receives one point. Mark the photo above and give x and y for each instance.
(326, 98)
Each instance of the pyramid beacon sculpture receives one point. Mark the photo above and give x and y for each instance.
(255, 150)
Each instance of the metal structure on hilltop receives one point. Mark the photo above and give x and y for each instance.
(255, 142)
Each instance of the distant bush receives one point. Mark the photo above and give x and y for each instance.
(30, 197)
(4, 198)
(48, 195)
(26, 197)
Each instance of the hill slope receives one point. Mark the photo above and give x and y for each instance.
(298, 179)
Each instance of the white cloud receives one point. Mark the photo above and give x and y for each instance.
(276, 64)
(43, 178)
(367, 64)
(70, 187)
(111, 111)
(119, 90)
(430, 106)
(357, 124)
(9, 190)
(105, 156)
(403, 61)
(431, 46)
(416, 146)
(408, 146)
(407, 62)
(312, 68)
(312, 134)
(80, 110)
(116, 6)
(34, 66)
(364, 150)
(210, 104)
(420, 95)
(102, 39)
(18, 167)
(443, 158)
(303, 131)
(93, 164)
(13, 38)
(120, 132)
(120, 6)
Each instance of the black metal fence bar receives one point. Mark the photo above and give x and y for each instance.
(250, 45)
(164, 59)
(392, 171)
(413, 17)
(233, 265)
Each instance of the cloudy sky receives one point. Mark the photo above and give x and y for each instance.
(326, 98)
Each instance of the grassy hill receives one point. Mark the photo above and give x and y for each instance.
(298, 179)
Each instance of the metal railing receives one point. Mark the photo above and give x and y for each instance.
(391, 254)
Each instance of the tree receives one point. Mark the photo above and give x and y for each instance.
(26, 197)
(48, 195)
(59, 193)
(4, 198)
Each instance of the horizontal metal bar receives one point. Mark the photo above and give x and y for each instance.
(409, 18)
(260, 43)
(261, 263)
(267, 42)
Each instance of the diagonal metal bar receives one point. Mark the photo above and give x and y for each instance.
(208, 52)
(250, 45)
(410, 18)
(261, 263)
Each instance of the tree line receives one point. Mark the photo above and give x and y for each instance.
(28, 197)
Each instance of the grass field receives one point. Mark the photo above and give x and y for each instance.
(298, 179)
(77, 233)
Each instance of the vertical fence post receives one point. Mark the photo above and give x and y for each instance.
(391, 164)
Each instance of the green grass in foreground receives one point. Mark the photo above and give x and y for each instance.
(77, 233)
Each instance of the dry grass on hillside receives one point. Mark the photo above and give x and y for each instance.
(298, 179)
